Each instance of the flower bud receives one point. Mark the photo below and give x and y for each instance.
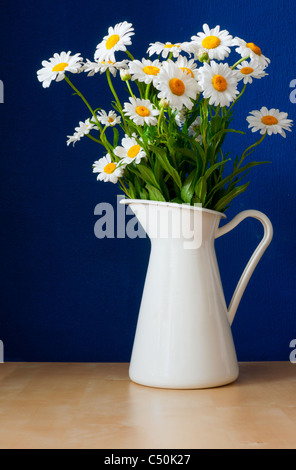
(202, 55)
(125, 75)
(163, 103)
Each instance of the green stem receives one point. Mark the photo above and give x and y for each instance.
(112, 89)
(159, 119)
(129, 89)
(103, 132)
(147, 91)
(94, 139)
(84, 100)
(104, 140)
(130, 55)
(115, 96)
(239, 62)
(123, 187)
(204, 136)
(238, 97)
(251, 146)
(140, 88)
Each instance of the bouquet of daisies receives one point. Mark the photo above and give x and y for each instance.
(164, 143)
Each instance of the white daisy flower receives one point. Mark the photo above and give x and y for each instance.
(249, 70)
(144, 71)
(180, 117)
(194, 129)
(188, 66)
(116, 40)
(271, 121)
(84, 128)
(113, 66)
(215, 42)
(95, 67)
(219, 83)
(141, 112)
(177, 86)
(91, 67)
(246, 49)
(55, 68)
(165, 49)
(72, 139)
(130, 151)
(108, 170)
(110, 119)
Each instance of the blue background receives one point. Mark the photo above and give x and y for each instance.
(68, 296)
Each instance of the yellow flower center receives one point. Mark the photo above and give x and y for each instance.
(111, 41)
(246, 70)
(219, 83)
(254, 48)
(168, 46)
(186, 69)
(269, 120)
(60, 67)
(151, 70)
(177, 87)
(133, 151)
(142, 111)
(110, 119)
(210, 42)
(109, 168)
(109, 62)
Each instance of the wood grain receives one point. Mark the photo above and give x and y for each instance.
(91, 405)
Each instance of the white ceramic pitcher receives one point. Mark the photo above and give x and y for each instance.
(183, 338)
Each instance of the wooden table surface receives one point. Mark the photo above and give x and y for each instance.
(95, 405)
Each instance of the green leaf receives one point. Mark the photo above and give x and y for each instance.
(143, 194)
(214, 167)
(131, 190)
(177, 200)
(158, 171)
(137, 184)
(161, 155)
(187, 153)
(201, 189)
(233, 175)
(147, 175)
(140, 189)
(187, 190)
(115, 137)
(216, 124)
(201, 153)
(224, 131)
(224, 201)
(154, 193)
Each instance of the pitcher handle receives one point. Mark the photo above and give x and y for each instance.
(249, 269)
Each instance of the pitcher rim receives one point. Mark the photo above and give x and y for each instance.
(170, 204)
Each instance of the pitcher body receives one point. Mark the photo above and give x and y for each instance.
(183, 337)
